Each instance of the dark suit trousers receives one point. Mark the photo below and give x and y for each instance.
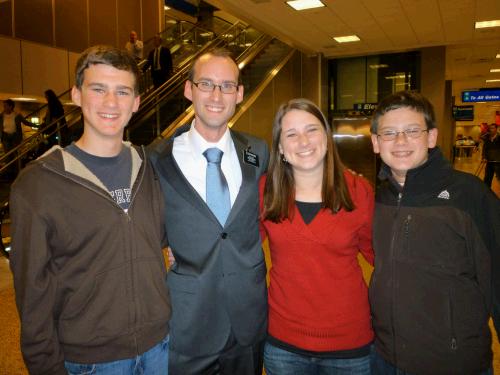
(490, 170)
(159, 78)
(233, 360)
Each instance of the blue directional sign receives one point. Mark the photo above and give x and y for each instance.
(481, 96)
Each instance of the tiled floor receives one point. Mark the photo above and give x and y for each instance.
(471, 165)
(5, 275)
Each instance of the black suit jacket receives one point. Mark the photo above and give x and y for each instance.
(165, 64)
(218, 282)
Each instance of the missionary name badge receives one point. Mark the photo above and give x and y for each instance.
(250, 158)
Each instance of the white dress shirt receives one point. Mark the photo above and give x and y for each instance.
(188, 153)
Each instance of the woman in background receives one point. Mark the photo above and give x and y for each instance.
(317, 216)
(55, 111)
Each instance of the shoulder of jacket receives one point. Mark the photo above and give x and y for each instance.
(35, 171)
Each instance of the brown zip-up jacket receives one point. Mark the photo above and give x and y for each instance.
(89, 277)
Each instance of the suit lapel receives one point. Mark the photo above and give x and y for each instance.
(248, 176)
(168, 168)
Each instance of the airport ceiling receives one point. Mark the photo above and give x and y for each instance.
(386, 26)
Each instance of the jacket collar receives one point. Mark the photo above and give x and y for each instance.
(425, 179)
(58, 159)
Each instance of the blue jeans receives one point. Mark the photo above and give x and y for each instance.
(152, 362)
(282, 362)
(381, 367)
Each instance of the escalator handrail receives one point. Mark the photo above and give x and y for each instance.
(33, 140)
(29, 115)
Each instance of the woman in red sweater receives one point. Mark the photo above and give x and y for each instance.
(317, 217)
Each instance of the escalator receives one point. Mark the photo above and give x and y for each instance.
(167, 104)
(260, 57)
(162, 111)
(187, 41)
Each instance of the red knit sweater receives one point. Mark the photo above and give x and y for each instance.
(318, 300)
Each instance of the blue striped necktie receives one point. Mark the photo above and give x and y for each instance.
(217, 190)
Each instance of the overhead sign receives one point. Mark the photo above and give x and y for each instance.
(481, 96)
(463, 112)
(365, 106)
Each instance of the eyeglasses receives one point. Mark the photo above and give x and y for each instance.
(209, 86)
(391, 135)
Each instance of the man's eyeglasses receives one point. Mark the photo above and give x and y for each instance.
(391, 135)
(209, 86)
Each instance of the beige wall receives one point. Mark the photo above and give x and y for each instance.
(300, 77)
(43, 38)
(78, 24)
(29, 68)
(10, 66)
(44, 68)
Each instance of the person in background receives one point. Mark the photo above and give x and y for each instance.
(11, 132)
(160, 61)
(210, 175)
(491, 154)
(436, 237)
(134, 46)
(87, 236)
(317, 216)
(58, 132)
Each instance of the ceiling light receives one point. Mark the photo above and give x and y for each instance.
(305, 4)
(483, 24)
(493, 80)
(494, 70)
(378, 66)
(24, 99)
(498, 55)
(346, 39)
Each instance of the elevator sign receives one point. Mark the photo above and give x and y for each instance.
(481, 96)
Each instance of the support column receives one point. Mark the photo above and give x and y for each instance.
(433, 87)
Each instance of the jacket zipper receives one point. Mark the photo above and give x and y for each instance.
(138, 183)
(453, 341)
(407, 233)
(393, 272)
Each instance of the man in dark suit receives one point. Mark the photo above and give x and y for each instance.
(217, 284)
(160, 61)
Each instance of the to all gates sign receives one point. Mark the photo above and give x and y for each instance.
(480, 96)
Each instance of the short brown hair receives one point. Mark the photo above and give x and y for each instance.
(405, 99)
(279, 191)
(106, 55)
(217, 52)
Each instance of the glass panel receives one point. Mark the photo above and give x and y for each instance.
(371, 78)
(351, 82)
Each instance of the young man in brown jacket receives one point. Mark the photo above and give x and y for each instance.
(87, 235)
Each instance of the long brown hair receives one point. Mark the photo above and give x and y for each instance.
(279, 190)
